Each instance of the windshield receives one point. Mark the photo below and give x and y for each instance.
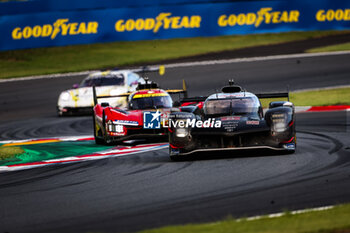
(151, 102)
(234, 106)
(103, 81)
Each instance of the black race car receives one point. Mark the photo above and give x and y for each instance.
(231, 120)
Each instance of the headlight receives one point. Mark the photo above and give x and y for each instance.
(181, 132)
(116, 128)
(119, 128)
(279, 122)
(280, 127)
(64, 96)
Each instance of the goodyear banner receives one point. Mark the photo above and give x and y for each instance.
(164, 21)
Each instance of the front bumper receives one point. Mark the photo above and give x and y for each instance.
(147, 134)
(69, 111)
(177, 151)
(205, 142)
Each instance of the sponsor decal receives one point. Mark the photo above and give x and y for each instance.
(164, 20)
(289, 146)
(60, 27)
(252, 122)
(174, 151)
(136, 96)
(226, 95)
(231, 118)
(230, 126)
(151, 120)
(265, 15)
(333, 15)
(126, 122)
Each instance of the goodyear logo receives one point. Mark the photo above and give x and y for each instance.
(264, 15)
(60, 27)
(163, 20)
(331, 15)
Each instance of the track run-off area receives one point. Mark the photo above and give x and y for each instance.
(145, 189)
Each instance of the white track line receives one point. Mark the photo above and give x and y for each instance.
(188, 64)
(253, 59)
(59, 75)
(280, 214)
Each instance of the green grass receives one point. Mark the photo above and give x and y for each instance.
(327, 221)
(101, 56)
(337, 96)
(10, 152)
(332, 48)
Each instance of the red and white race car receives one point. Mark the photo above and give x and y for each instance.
(144, 117)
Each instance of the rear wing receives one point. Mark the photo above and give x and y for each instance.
(179, 91)
(273, 95)
(106, 96)
(260, 96)
(147, 69)
(147, 84)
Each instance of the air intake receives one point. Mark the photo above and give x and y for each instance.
(148, 85)
(231, 89)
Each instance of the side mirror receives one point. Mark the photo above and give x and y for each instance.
(75, 86)
(275, 104)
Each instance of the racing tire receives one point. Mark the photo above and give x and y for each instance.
(106, 140)
(98, 140)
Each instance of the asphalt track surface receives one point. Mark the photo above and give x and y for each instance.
(147, 190)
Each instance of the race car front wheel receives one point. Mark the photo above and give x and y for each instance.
(60, 113)
(98, 140)
(106, 138)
